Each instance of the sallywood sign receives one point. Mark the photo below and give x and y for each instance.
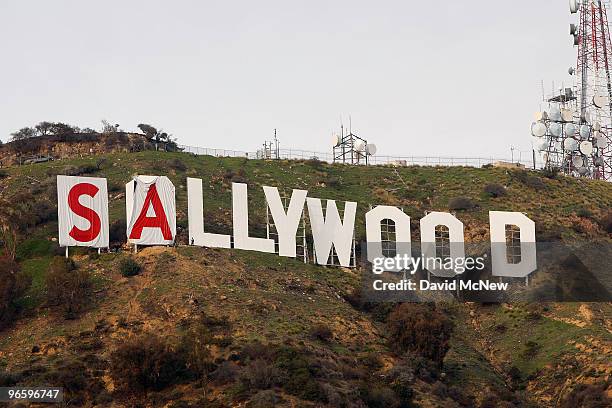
(151, 220)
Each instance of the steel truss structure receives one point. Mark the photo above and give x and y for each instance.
(575, 134)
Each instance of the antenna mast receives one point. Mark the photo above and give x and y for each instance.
(575, 134)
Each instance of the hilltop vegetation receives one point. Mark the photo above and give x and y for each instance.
(187, 326)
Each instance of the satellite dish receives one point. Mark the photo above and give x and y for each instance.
(600, 140)
(555, 129)
(573, 5)
(573, 29)
(540, 116)
(570, 145)
(586, 148)
(583, 171)
(538, 129)
(371, 149)
(585, 131)
(597, 126)
(567, 115)
(360, 146)
(543, 146)
(336, 140)
(599, 101)
(555, 114)
(571, 71)
(586, 117)
(570, 129)
(577, 161)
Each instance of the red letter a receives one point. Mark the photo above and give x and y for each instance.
(159, 221)
(79, 209)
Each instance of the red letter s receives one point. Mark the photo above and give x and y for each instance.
(90, 215)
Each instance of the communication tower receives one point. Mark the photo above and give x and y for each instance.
(575, 134)
(270, 150)
(351, 149)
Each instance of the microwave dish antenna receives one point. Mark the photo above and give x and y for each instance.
(573, 5)
(538, 129)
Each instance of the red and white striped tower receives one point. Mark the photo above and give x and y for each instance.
(594, 82)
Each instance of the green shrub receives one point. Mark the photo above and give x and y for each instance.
(321, 332)
(114, 187)
(236, 177)
(301, 374)
(74, 375)
(177, 165)
(531, 349)
(9, 379)
(264, 399)
(439, 389)
(461, 203)
(67, 286)
(371, 361)
(529, 180)
(378, 397)
(80, 170)
(460, 396)
(587, 396)
(495, 190)
(195, 344)
(334, 182)
(13, 285)
(116, 233)
(420, 329)
(606, 222)
(315, 163)
(550, 173)
(129, 267)
(33, 248)
(147, 363)
(261, 375)
(225, 373)
(584, 212)
(257, 350)
(536, 183)
(294, 368)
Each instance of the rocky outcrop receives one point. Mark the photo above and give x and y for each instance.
(74, 145)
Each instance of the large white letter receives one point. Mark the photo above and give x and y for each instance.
(195, 214)
(374, 218)
(497, 224)
(240, 208)
(286, 223)
(82, 209)
(428, 242)
(330, 230)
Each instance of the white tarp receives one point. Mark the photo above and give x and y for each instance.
(150, 210)
(82, 209)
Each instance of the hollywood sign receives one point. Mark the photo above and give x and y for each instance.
(151, 220)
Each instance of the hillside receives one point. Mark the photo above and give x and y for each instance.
(259, 330)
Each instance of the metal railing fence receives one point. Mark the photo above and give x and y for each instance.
(298, 154)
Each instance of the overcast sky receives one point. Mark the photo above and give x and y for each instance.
(450, 78)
